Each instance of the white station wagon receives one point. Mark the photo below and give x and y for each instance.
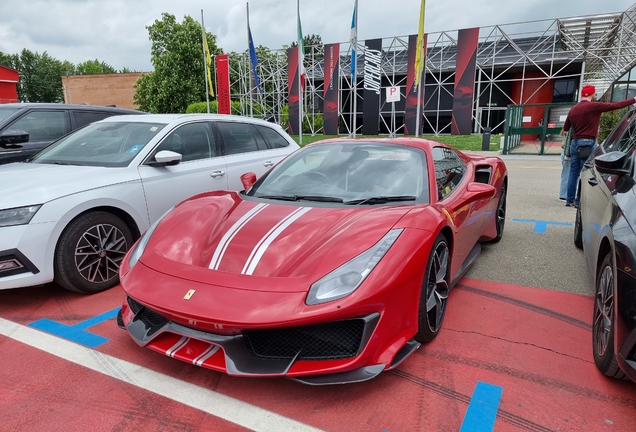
(72, 211)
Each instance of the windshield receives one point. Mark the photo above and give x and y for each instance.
(6, 112)
(110, 144)
(348, 173)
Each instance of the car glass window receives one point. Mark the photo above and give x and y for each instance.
(449, 170)
(348, 173)
(611, 143)
(42, 125)
(625, 142)
(107, 144)
(260, 141)
(274, 138)
(82, 118)
(238, 137)
(6, 112)
(192, 141)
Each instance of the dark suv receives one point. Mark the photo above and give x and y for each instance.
(26, 128)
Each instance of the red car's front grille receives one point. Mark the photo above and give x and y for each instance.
(328, 341)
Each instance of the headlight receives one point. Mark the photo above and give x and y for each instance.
(347, 278)
(18, 216)
(139, 248)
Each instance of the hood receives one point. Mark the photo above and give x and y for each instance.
(223, 232)
(30, 184)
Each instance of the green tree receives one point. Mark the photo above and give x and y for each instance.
(40, 77)
(313, 45)
(177, 57)
(93, 67)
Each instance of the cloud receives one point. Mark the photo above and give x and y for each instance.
(114, 31)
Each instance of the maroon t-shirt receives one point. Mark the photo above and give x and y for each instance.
(586, 116)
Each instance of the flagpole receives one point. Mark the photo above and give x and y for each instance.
(205, 65)
(354, 71)
(300, 88)
(420, 48)
(247, 6)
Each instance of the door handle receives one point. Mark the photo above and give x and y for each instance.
(268, 164)
(216, 174)
(592, 181)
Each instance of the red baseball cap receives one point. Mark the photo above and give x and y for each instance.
(588, 90)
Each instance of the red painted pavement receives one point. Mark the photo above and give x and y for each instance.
(534, 343)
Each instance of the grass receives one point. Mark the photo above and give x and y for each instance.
(460, 142)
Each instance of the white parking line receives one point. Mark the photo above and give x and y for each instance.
(216, 404)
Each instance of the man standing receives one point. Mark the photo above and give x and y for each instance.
(584, 118)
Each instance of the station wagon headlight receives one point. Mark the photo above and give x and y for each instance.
(347, 278)
(140, 247)
(18, 216)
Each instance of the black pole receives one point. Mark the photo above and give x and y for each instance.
(485, 140)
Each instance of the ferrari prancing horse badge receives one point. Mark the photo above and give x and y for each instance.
(189, 295)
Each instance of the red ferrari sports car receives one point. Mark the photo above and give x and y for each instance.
(331, 268)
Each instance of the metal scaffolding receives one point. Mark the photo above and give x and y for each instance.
(514, 62)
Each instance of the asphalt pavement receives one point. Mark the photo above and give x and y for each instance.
(538, 254)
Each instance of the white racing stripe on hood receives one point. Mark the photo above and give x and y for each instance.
(262, 245)
(231, 233)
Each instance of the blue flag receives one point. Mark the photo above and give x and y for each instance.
(254, 61)
(353, 39)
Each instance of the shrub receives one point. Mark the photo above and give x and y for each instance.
(608, 121)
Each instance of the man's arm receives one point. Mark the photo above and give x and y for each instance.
(566, 125)
(611, 106)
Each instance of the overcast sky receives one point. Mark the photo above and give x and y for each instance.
(114, 31)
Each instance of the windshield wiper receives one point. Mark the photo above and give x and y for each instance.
(318, 198)
(65, 163)
(381, 199)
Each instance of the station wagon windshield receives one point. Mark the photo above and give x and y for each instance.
(109, 144)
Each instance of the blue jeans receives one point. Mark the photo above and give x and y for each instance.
(576, 165)
(565, 175)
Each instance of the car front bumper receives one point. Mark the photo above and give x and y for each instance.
(23, 255)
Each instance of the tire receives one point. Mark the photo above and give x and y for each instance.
(500, 215)
(578, 229)
(89, 252)
(603, 323)
(434, 294)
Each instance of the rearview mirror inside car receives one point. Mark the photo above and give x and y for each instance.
(13, 137)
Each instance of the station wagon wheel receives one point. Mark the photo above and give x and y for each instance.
(434, 294)
(603, 324)
(578, 229)
(90, 251)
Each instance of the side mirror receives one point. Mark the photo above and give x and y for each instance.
(166, 158)
(248, 179)
(614, 163)
(12, 137)
(478, 191)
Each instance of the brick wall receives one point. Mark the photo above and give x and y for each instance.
(108, 89)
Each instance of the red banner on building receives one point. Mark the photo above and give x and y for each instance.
(332, 87)
(223, 84)
(410, 109)
(293, 91)
(467, 40)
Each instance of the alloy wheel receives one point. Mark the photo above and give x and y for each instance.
(99, 253)
(437, 289)
(604, 311)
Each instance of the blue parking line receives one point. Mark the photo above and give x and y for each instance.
(482, 409)
(76, 333)
(540, 227)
